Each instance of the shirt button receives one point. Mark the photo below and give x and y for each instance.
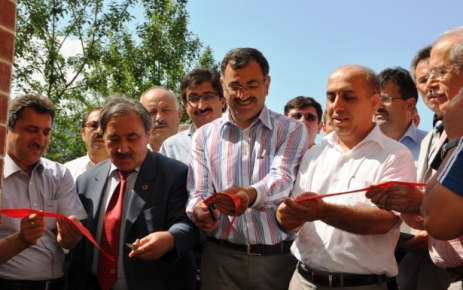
(112, 271)
(35, 204)
(336, 179)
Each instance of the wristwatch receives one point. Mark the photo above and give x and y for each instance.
(448, 146)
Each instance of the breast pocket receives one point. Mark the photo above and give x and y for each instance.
(359, 198)
(154, 219)
(51, 206)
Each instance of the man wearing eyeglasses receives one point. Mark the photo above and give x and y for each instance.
(93, 139)
(434, 210)
(394, 116)
(309, 112)
(252, 153)
(203, 100)
(165, 112)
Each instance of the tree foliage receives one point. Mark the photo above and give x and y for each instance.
(117, 53)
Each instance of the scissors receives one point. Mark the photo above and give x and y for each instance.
(134, 245)
(211, 208)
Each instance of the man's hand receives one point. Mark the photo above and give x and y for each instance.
(418, 243)
(203, 219)
(226, 205)
(398, 197)
(292, 215)
(153, 246)
(453, 118)
(68, 234)
(32, 228)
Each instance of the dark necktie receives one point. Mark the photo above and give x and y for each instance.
(110, 235)
(436, 133)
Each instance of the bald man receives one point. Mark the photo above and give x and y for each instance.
(165, 112)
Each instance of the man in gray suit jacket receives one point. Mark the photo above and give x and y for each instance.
(152, 218)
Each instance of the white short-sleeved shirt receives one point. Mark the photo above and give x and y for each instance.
(325, 168)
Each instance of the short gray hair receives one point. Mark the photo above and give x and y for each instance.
(456, 52)
(120, 105)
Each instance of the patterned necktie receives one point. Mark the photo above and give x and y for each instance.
(110, 235)
(436, 133)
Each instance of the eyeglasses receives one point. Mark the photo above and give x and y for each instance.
(92, 126)
(439, 72)
(307, 116)
(388, 100)
(194, 99)
(235, 90)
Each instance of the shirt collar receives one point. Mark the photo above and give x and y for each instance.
(191, 130)
(374, 136)
(264, 118)
(411, 133)
(10, 167)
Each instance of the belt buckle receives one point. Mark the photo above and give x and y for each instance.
(248, 251)
(330, 281)
(47, 285)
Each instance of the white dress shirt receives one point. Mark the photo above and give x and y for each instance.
(79, 166)
(325, 168)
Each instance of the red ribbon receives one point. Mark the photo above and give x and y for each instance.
(25, 212)
(236, 201)
(381, 186)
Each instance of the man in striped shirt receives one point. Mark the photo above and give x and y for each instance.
(253, 153)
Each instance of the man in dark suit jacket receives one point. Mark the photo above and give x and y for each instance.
(153, 212)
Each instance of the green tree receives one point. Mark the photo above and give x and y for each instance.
(117, 54)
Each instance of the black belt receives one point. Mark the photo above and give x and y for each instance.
(255, 250)
(55, 284)
(338, 280)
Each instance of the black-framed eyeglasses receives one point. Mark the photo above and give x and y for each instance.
(194, 99)
(388, 100)
(234, 90)
(307, 116)
(93, 126)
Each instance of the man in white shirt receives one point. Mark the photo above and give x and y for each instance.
(93, 139)
(345, 240)
(165, 112)
(32, 248)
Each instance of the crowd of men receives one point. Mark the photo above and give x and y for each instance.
(143, 190)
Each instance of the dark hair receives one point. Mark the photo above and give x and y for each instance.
(422, 54)
(302, 102)
(198, 76)
(120, 105)
(84, 119)
(238, 58)
(40, 104)
(402, 78)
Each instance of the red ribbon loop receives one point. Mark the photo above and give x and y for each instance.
(25, 212)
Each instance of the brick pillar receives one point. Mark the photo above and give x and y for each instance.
(7, 35)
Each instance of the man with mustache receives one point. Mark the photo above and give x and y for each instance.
(394, 115)
(163, 106)
(436, 212)
(203, 100)
(32, 248)
(344, 240)
(136, 207)
(309, 112)
(252, 153)
(93, 139)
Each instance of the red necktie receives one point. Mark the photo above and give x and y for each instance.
(110, 235)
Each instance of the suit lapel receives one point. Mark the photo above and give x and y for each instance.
(144, 186)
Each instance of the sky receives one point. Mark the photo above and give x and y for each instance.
(305, 40)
